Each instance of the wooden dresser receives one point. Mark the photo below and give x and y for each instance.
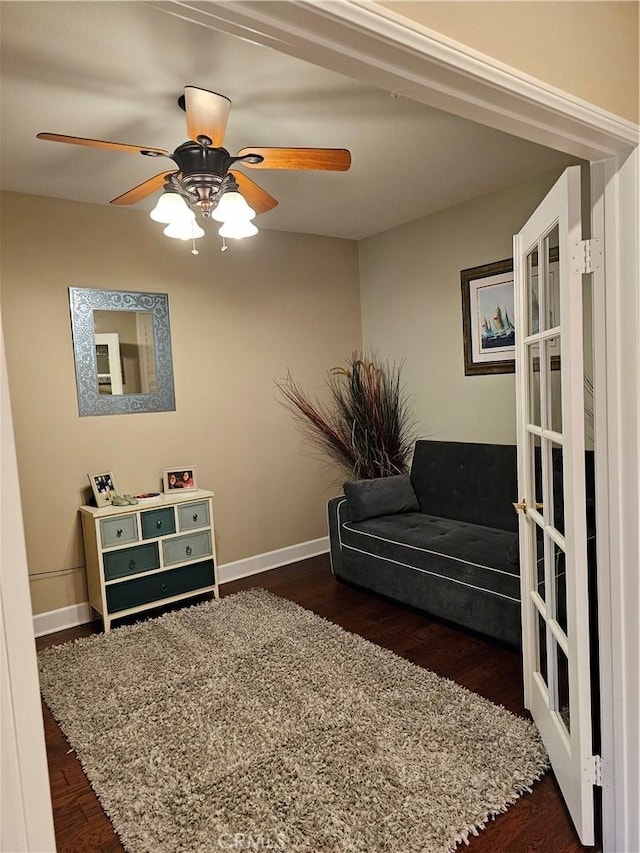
(148, 554)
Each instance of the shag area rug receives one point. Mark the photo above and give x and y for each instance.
(253, 724)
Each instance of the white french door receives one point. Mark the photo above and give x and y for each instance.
(548, 263)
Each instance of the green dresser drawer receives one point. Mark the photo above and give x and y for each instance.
(138, 591)
(131, 561)
(183, 548)
(118, 530)
(191, 516)
(158, 522)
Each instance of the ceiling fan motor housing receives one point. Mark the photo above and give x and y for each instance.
(202, 171)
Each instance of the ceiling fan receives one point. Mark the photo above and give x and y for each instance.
(204, 176)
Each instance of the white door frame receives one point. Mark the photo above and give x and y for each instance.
(379, 47)
(27, 818)
(616, 300)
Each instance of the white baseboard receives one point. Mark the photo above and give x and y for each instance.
(58, 620)
(272, 560)
(77, 614)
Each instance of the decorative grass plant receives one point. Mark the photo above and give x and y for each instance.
(365, 426)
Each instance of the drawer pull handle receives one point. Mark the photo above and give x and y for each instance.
(119, 531)
(195, 516)
(163, 588)
(189, 550)
(132, 564)
(158, 524)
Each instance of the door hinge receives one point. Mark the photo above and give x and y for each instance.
(594, 770)
(586, 256)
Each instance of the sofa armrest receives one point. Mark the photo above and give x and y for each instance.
(337, 514)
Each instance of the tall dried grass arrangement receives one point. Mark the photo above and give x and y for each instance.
(365, 426)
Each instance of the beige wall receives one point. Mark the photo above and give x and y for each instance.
(412, 310)
(590, 49)
(239, 320)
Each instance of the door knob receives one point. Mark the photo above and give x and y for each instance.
(523, 506)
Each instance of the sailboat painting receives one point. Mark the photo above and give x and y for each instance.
(495, 313)
(489, 322)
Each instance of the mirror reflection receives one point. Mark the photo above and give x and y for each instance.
(125, 352)
(122, 349)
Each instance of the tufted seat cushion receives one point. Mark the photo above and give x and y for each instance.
(452, 550)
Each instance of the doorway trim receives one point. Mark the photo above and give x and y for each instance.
(365, 41)
(379, 47)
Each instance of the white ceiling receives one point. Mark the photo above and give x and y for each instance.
(114, 71)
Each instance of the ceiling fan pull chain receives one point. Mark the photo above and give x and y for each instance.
(224, 246)
(194, 251)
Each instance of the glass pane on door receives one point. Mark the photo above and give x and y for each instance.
(557, 484)
(562, 703)
(553, 354)
(533, 294)
(535, 408)
(536, 462)
(542, 648)
(539, 548)
(560, 584)
(552, 279)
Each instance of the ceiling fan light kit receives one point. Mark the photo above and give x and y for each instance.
(185, 229)
(238, 230)
(232, 206)
(204, 179)
(170, 207)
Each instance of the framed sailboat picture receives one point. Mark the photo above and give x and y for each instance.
(488, 325)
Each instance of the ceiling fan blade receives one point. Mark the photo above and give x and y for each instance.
(331, 159)
(98, 143)
(207, 114)
(255, 196)
(143, 190)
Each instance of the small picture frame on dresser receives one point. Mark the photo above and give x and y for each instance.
(180, 477)
(104, 487)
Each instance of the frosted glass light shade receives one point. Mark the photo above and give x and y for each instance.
(184, 229)
(170, 208)
(238, 229)
(232, 206)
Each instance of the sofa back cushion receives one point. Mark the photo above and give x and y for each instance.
(383, 496)
(469, 482)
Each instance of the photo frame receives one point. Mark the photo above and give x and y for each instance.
(180, 477)
(103, 485)
(488, 326)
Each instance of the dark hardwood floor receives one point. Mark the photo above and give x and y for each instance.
(536, 822)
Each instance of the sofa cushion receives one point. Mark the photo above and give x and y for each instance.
(464, 554)
(382, 496)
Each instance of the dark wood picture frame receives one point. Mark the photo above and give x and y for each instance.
(468, 277)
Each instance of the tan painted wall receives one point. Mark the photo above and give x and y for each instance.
(239, 320)
(590, 49)
(412, 310)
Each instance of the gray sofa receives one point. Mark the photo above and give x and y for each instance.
(442, 539)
